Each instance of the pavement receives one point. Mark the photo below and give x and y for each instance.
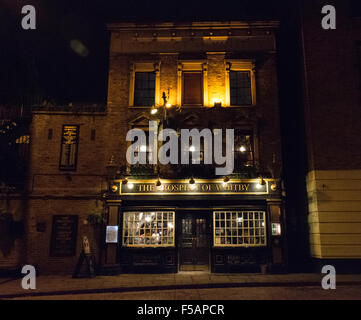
(170, 286)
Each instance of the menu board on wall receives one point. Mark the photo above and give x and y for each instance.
(63, 236)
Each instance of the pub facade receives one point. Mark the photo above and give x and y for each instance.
(166, 217)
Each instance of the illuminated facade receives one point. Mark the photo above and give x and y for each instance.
(154, 217)
(183, 217)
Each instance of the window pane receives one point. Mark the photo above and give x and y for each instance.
(144, 89)
(69, 147)
(240, 88)
(192, 88)
(240, 228)
(148, 229)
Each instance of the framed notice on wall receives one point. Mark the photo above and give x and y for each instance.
(64, 235)
(111, 234)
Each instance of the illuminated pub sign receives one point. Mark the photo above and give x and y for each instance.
(199, 187)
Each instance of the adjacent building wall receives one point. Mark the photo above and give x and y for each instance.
(332, 118)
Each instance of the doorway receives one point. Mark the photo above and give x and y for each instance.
(194, 241)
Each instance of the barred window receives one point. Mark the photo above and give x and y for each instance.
(144, 89)
(240, 88)
(69, 147)
(148, 229)
(239, 228)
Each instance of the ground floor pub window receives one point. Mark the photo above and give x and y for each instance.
(239, 228)
(144, 229)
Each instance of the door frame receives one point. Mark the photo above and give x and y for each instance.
(208, 214)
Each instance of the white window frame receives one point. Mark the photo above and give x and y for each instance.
(143, 245)
(215, 244)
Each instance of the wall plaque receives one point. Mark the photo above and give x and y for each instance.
(64, 235)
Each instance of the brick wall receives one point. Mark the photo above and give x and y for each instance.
(53, 192)
(332, 116)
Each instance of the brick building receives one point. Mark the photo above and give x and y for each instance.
(331, 98)
(164, 218)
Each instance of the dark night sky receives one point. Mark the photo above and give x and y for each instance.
(42, 60)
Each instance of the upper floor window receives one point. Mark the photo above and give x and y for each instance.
(144, 152)
(243, 153)
(240, 88)
(69, 147)
(192, 83)
(144, 89)
(193, 88)
(240, 83)
(144, 86)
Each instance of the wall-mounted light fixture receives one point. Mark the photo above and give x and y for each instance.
(125, 181)
(158, 183)
(260, 183)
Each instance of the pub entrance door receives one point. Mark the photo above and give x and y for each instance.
(194, 241)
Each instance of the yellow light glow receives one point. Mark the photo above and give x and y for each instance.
(168, 105)
(130, 185)
(258, 186)
(217, 101)
(242, 149)
(153, 111)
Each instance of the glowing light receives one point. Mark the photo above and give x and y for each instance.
(130, 185)
(153, 111)
(170, 225)
(168, 105)
(79, 48)
(239, 219)
(192, 148)
(217, 102)
(258, 186)
(193, 186)
(143, 148)
(242, 149)
(148, 219)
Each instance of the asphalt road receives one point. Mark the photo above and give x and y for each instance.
(243, 293)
